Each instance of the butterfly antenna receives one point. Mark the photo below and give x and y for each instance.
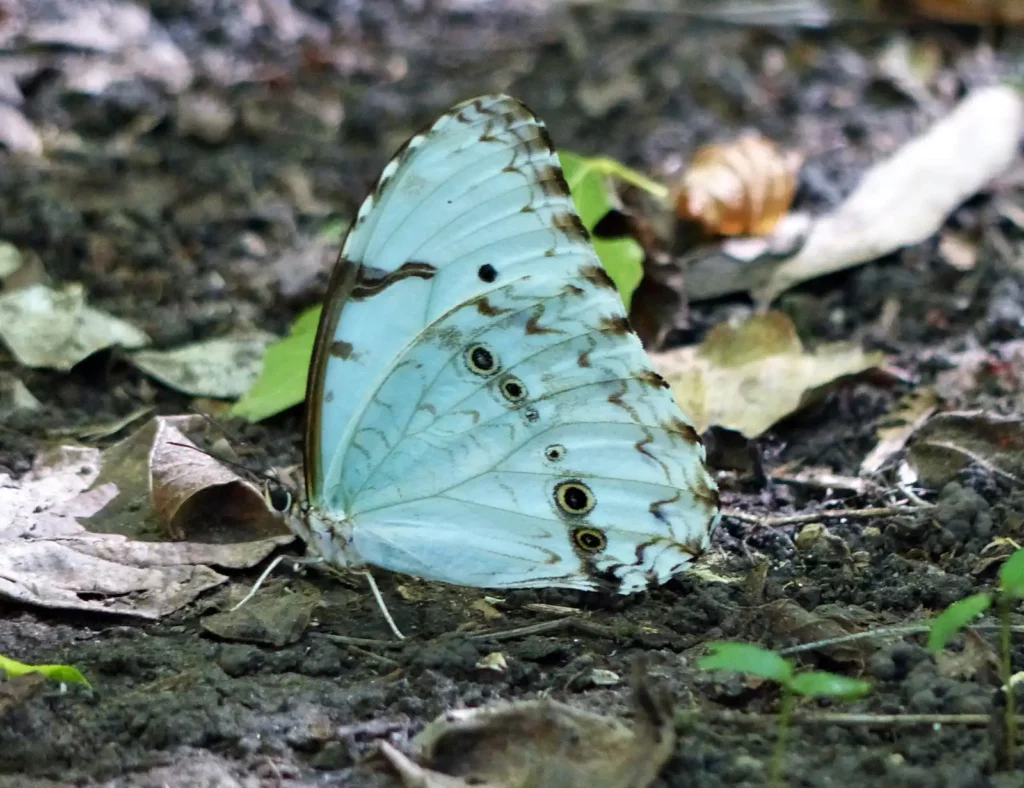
(262, 475)
(382, 606)
(270, 568)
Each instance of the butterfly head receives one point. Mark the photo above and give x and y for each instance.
(323, 537)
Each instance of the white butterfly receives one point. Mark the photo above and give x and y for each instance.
(478, 410)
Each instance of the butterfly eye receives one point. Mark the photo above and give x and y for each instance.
(279, 499)
(574, 498)
(481, 360)
(513, 389)
(555, 452)
(589, 540)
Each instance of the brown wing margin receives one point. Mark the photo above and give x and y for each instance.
(343, 281)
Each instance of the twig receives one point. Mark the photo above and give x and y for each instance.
(827, 514)
(391, 663)
(914, 629)
(839, 718)
(544, 627)
(345, 640)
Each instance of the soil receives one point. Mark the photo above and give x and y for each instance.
(179, 235)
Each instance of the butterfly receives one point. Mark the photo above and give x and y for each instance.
(478, 411)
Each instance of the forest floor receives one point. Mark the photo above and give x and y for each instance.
(188, 234)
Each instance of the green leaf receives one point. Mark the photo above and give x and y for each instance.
(65, 673)
(954, 618)
(1011, 575)
(747, 658)
(622, 258)
(819, 684)
(282, 381)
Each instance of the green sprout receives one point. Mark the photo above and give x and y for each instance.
(63, 673)
(960, 615)
(756, 661)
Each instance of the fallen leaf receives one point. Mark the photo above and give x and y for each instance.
(486, 609)
(541, 744)
(101, 429)
(10, 259)
(622, 258)
(49, 558)
(901, 201)
(225, 368)
(15, 397)
(949, 442)
(276, 616)
(957, 250)
(977, 656)
(747, 378)
(741, 188)
(789, 622)
(63, 673)
(55, 329)
(895, 430)
(282, 381)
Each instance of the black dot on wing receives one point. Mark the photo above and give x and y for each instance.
(487, 273)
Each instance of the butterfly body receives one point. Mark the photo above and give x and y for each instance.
(478, 410)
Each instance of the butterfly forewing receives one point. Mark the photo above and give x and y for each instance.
(482, 413)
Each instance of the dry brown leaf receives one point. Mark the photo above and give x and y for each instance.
(742, 188)
(541, 744)
(949, 442)
(749, 377)
(791, 622)
(977, 656)
(902, 200)
(893, 433)
(49, 558)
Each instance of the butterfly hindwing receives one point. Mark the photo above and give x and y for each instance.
(484, 414)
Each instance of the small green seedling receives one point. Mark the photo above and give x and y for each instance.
(64, 673)
(961, 613)
(756, 661)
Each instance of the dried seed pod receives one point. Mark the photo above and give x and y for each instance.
(743, 188)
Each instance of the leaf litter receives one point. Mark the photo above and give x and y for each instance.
(751, 376)
(86, 530)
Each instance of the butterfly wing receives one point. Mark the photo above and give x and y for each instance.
(479, 411)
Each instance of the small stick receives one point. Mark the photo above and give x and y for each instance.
(828, 514)
(852, 719)
(345, 640)
(914, 629)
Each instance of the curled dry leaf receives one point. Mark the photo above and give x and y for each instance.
(541, 744)
(743, 188)
(79, 531)
(55, 329)
(949, 442)
(902, 200)
(749, 377)
(225, 368)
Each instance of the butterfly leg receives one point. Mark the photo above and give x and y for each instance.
(270, 568)
(382, 606)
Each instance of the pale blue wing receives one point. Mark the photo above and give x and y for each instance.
(481, 363)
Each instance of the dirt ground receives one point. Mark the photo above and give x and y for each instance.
(179, 235)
